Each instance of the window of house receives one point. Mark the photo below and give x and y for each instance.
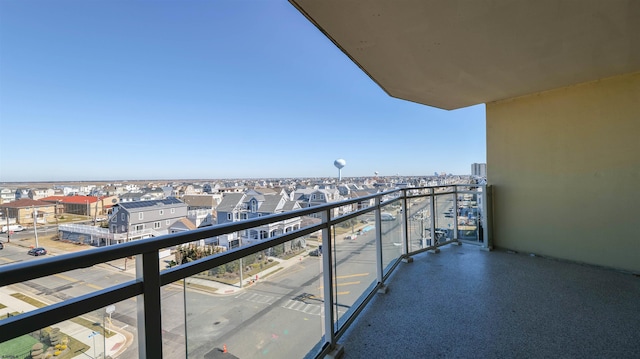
(173, 210)
(140, 215)
(321, 196)
(138, 227)
(123, 229)
(161, 212)
(229, 216)
(254, 206)
(166, 222)
(157, 225)
(313, 196)
(259, 214)
(122, 217)
(245, 215)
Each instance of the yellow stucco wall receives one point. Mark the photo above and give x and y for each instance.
(565, 166)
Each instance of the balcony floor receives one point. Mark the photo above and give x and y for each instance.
(468, 303)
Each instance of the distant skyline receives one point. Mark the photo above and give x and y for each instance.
(97, 90)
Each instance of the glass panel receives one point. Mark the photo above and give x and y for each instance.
(258, 306)
(109, 331)
(468, 217)
(391, 228)
(172, 298)
(445, 216)
(354, 255)
(62, 286)
(419, 222)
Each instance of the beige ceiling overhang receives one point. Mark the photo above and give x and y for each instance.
(451, 54)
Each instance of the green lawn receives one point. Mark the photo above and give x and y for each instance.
(19, 347)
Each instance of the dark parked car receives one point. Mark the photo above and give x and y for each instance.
(315, 253)
(1, 245)
(39, 251)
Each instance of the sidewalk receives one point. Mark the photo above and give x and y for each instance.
(229, 289)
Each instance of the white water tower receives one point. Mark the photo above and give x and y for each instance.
(339, 163)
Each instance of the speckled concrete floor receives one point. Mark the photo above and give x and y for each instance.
(467, 303)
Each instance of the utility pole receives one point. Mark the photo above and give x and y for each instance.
(35, 224)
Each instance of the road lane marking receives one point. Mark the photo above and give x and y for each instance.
(65, 277)
(93, 286)
(7, 260)
(341, 284)
(353, 275)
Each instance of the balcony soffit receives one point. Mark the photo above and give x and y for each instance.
(452, 54)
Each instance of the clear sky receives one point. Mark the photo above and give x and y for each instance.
(99, 90)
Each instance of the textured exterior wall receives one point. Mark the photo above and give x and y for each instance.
(565, 165)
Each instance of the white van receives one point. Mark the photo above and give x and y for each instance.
(387, 217)
(12, 228)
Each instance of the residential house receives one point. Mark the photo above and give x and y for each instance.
(39, 193)
(7, 195)
(155, 193)
(131, 197)
(309, 197)
(202, 208)
(25, 210)
(90, 206)
(22, 193)
(143, 219)
(242, 206)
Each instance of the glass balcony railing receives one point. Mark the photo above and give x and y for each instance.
(286, 285)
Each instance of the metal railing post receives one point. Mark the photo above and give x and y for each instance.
(379, 266)
(432, 208)
(455, 214)
(405, 244)
(149, 308)
(327, 281)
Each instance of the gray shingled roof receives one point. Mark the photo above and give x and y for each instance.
(199, 200)
(230, 201)
(290, 206)
(270, 204)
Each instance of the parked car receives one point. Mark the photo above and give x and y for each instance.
(12, 228)
(315, 253)
(1, 245)
(387, 217)
(351, 237)
(38, 251)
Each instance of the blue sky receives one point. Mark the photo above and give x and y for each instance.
(100, 90)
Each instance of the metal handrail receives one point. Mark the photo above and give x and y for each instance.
(151, 279)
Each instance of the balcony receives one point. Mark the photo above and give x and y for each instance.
(321, 288)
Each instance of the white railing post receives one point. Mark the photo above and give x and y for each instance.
(485, 220)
